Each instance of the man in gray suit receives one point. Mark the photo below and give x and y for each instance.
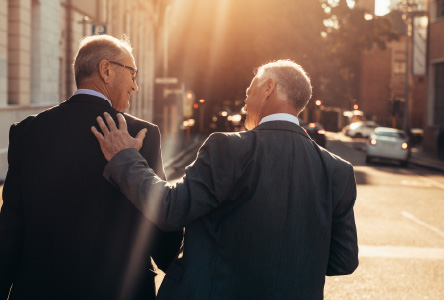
(268, 213)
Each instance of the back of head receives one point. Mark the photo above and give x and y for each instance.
(292, 83)
(93, 49)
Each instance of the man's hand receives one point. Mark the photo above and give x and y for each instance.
(116, 139)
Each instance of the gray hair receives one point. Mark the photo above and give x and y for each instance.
(93, 49)
(291, 81)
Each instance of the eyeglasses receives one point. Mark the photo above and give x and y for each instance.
(129, 68)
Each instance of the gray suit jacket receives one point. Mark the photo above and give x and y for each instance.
(268, 213)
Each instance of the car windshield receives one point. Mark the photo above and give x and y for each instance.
(393, 134)
(355, 125)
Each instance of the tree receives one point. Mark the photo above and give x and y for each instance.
(349, 32)
(216, 44)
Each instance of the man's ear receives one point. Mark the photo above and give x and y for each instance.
(105, 70)
(269, 87)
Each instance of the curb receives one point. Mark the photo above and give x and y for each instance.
(416, 162)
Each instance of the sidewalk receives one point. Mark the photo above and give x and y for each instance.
(426, 160)
(174, 150)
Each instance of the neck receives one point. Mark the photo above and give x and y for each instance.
(277, 107)
(95, 86)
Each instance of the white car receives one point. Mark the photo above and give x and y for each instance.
(388, 143)
(361, 129)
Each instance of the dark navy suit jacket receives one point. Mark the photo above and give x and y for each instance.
(65, 232)
(268, 214)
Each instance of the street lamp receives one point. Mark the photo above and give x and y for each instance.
(408, 9)
(165, 40)
(318, 104)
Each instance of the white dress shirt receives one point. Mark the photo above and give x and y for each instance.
(93, 93)
(280, 117)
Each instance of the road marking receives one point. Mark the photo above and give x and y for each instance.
(432, 182)
(426, 179)
(416, 183)
(401, 252)
(412, 217)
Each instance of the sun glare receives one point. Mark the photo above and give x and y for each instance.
(381, 7)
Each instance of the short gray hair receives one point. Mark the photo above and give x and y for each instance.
(93, 49)
(291, 81)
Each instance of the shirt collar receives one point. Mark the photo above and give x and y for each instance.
(93, 93)
(280, 117)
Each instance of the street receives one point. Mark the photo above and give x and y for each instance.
(399, 217)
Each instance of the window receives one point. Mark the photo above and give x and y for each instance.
(392, 134)
(440, 8)
(439, 94)
(399, 67)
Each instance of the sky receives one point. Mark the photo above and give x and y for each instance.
(381, 7)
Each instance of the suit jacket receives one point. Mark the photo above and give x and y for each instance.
(268, 213)
(65, 232)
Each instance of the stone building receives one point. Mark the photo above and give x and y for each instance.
(38, 40)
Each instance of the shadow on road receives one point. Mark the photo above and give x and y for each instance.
(361, 177)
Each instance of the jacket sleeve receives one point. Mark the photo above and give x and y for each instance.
(153, 143)
(206, 184)
(343, 257)
(165, 245)
(11, 219)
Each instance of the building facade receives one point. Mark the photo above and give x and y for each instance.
(39, 39)
(385, 85)
(435, 80)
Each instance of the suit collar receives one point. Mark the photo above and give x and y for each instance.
(87, 99)
(93, 93)
(282, 125)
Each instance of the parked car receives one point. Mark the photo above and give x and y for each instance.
(315, 131)
(227, 121)
(388, 143)
(362, 129)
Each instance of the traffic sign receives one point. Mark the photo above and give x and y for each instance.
(98, 29)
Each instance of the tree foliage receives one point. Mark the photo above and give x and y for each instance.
(349, 32)
(215, 48)
(214, 45)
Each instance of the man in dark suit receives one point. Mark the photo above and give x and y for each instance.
(268, 213)
(65, 232)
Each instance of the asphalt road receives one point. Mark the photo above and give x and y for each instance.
(400, 220)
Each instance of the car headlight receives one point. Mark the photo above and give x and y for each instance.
(372, 142)
(404, 146)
